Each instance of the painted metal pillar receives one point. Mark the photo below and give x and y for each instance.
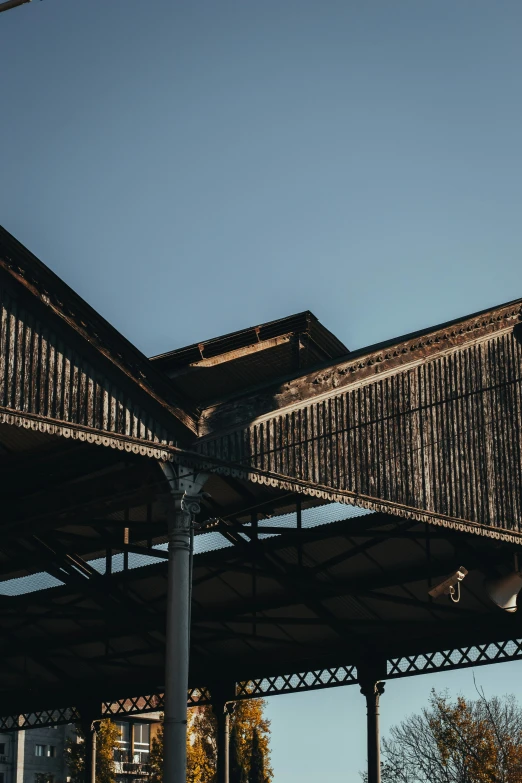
(373, 690)
(88, 724)
(223, 742)
(223, 707)
(90, 756)
(19, 757)
(185, 488)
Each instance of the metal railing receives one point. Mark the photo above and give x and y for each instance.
(131, 766)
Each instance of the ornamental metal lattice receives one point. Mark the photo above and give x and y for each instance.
(460, 658)
(135, 705)
(36, 720)
(198, 697)
(295, 683)
(405, 666)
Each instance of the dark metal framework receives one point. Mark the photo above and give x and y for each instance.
(422, 431)
(299, 682)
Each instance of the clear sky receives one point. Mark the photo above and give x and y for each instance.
(196, 167)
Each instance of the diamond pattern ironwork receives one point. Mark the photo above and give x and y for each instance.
(198, 697)
(405, 666)
(36, 720)
(460, 658)
(295, 683)
(135, 705)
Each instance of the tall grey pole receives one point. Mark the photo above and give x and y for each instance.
(223, 742)
(373, 691)
(185, 488)
(89, 729)
(90, 756)
(222, 696)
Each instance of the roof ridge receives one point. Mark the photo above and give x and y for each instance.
(40, 281)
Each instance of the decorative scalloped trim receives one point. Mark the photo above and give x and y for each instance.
(349, 498)
(398, 357)
(506, 315)
(76, 432)
(170, 453)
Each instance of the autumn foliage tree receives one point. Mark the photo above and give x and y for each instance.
(238, 772)
(247, 719)
(156, 756)
(107, 736)
(257, 761)
(461, 741)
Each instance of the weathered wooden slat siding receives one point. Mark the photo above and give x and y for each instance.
(43, 377)
(443, 436)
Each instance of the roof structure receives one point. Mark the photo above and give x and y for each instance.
(427, 426)
(342, 486)
(65, 365)
(228, 366)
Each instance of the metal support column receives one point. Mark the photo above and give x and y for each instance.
(88, 725)
(373, 690)
(223, 742)
(185, 489)
(223, 707)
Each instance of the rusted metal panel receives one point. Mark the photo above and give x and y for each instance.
(437, 437)
(47, 384)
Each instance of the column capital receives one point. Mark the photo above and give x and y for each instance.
(221, 694)
(183, 480)
(186, 490)
(89, 716)
(369, 688)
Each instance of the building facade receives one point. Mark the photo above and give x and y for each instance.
(38, 755)
(131, 756)
(35, 756)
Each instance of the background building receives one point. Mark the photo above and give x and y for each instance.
(37, 755)
(34, 756)
(133, 751)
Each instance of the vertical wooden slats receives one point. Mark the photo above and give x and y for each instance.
(42, 376)
(444, 436)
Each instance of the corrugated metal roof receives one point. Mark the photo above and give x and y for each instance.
(351, 586)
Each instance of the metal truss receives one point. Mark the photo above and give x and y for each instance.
(136, 705)
(296, 683)
(460, 658)
(36, 720)
(405, 666)
(198, 697)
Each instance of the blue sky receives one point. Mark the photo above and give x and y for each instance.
(197, 167)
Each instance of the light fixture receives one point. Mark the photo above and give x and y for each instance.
(504, 590)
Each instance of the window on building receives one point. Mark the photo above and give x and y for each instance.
(39, 750)
(2, 749)
(124, 739)
(122, 750)
(51, 751)
(141, 742)
(2, 777)
(142, 734)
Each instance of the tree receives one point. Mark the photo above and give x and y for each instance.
(202, 743)
(107, 736)
(237, 769)
(156, 756)
(474, 741)
(257, 761)
(249, 718)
